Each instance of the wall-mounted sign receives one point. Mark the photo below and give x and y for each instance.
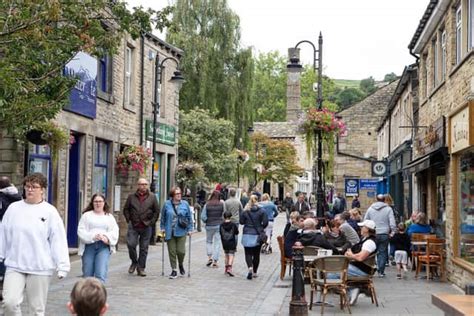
(379, 168)
(461, 129)
(429, 139)
(352, 187)
(84, 94)
(165, 134)
(368, 184)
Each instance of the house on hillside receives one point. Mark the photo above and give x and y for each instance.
(355, 152)
(443, 144)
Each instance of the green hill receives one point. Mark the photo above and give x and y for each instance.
(342, 83)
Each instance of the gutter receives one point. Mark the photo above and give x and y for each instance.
(350, 155)
(142, 83)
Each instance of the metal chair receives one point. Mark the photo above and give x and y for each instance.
(366, 283)
(319, 270)
(284, 260)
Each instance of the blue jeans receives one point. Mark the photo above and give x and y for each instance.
(213, 242)
(382, 241)
(95, 261)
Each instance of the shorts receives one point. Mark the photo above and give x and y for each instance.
(229, 251)
(401, 256)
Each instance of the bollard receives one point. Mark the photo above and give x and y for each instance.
(298, 304)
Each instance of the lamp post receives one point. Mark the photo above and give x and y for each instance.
(295, 67)
(178, 79)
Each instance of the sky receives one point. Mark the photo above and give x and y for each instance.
(361, 38)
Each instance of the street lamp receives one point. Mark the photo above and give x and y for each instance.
(294, 68)
(177, 79)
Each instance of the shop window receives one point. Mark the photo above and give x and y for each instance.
(466, 206)
(100, 167)
(39, 160)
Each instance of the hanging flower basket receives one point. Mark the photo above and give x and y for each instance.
(135, 158)
(51, 134)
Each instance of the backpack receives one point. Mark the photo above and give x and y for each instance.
(226, 235)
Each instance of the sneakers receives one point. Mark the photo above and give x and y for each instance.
(132, 268)
(249, 276)
(228, 270)
(214, 264)
(381, 275)
(141, 272)
(354, 295)
(255, 275)
(399, 276)
(181, 270)
(173, 274)
(209, 262)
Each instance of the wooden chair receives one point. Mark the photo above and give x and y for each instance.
(319, 270)
(366, 283)
(433, 258)
(419, 246)
(284, 261)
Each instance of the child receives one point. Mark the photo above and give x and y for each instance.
(229, 232)
(401, 243)
(88, 298)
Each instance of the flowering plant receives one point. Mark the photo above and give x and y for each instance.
(324, 120)
(133, 157)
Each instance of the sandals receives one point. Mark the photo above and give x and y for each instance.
(209, 262)
(214, 264)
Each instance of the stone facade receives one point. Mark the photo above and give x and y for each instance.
(355, 152)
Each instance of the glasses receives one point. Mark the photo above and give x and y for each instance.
(177, 193)
(98, 201)
(32, 187)
(143, 184)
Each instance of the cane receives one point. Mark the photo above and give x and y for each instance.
(189, 257)
(163, 255)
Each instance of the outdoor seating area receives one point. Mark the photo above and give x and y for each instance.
(429, 251)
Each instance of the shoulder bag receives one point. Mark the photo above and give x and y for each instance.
(262, 237)
(182, 221)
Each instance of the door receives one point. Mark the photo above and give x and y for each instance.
(73, 193)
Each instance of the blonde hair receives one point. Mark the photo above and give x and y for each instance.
(388, 199)
(265, 197)
(252, 202)
(294, 215)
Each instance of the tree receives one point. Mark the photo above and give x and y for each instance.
(368, 85)
(277, 159)
(38, 38)
(218, 72)
(390, 77)
(309, 96)
(207, 141)
(349, 96)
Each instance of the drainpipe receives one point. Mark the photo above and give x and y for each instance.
(414, 55)
(142, 84)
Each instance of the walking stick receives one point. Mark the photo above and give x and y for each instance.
(189, 258)
(163, 255)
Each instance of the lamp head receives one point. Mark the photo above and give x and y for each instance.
(177, 78)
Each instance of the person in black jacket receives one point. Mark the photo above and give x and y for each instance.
(229, 231)
(312, 237)
(287, 205)
(401, 243)
(254, 220)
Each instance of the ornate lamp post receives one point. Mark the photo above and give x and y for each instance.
(178, 79)
(295, 67)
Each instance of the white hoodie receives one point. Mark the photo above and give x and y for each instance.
(33, 239)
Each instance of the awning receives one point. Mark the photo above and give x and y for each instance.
(434, 159)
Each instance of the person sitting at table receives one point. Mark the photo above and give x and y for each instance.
(313, 237)
(359, 253)
(335, 236)
(420, 225)
(294, 231)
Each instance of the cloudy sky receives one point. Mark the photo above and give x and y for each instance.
(362, 38)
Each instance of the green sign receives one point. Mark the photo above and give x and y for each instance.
(165, 134)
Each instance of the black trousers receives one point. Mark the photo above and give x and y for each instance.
(141, 238)
(252, 257)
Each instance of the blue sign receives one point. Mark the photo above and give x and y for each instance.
(84, 94)
(352, 187)
(368, 184)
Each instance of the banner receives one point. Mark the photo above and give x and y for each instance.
(352, 187)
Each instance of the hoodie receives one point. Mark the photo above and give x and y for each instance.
(8, 195)
(382, 215)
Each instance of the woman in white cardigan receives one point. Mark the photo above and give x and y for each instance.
(98, 234)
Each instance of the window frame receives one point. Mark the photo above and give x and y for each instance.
(444, 54)
(434, 47)
(458, 31)
(99, 164)
(128, 76)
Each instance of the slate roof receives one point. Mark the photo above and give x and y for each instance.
(276, 129)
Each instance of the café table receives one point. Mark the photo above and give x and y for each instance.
(454, 305)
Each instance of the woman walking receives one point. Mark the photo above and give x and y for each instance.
(271, 210)
(212, 216)
(34, 246)
(254, 221)
(98, 234)
(176, 222)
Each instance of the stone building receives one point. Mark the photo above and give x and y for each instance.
(443, 152)
(395, 138)
(355, 152)
(103, 122)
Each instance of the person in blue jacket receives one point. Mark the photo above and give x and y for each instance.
(419, 226)
(176, 222)
(272, 211)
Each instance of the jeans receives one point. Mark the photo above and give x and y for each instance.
(2, 270)
(176, 249)
(95, 261)
(382, 241)
(135, 237)
(269, 232)
(213, 242)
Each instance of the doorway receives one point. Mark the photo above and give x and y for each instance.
(73, 193)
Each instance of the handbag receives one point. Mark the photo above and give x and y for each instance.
(262, 237)
(182, 221)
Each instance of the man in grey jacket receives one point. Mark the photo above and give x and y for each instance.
(382, 215)
(233, 205)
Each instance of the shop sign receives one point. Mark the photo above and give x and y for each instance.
(165, 134)
(429, 139)
(352, 187)
(379, 168)
(368, 184)
(461, 130)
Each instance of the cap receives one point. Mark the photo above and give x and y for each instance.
(367, 223)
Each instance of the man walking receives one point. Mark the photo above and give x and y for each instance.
(301, 206)
(141, 211)
(233, 205)
(382, 215)
(287, 205)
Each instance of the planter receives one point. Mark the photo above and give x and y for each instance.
(35, 136)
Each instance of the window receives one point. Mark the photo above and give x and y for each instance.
(100, 167)
(39, 160)
(466, 206)
(434, 45)
(471, 23)
(128, 96)
(424, 71)
(443, 55)
(104, 77)
(458, 34)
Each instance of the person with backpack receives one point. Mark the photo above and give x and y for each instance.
(229, 231)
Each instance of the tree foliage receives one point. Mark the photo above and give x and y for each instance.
(277, 157)
(207, 141)
(38, 38)
(349, 96)
(390, 77)
(309, 96)
(218, 72)
(367, 85)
